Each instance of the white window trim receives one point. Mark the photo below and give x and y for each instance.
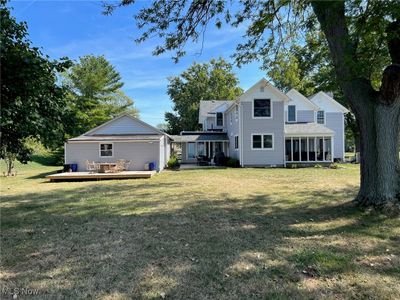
(316, 117)
(295, 114)
(112, 151)
(262, 141)
(223, 120)
(234, 143)
(260, 118)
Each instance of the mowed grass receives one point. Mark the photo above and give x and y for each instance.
(197, 234)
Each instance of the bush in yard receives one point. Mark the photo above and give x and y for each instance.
(334, 166)
(173, 162)
(232, 162)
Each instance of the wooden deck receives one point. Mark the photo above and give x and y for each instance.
(99, 176)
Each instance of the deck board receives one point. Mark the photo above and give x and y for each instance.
(99, 176)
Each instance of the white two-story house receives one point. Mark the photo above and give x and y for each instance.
(266, 127)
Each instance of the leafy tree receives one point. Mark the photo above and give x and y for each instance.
(207, 81)
(357, 32)
(162, 126)
(95, 94)
(32, 104)
(308, 68)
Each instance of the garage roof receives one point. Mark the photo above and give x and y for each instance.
(117, 137)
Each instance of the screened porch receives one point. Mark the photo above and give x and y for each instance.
(308, 149)
(201, 144)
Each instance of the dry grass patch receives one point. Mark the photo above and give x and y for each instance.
(197, 234)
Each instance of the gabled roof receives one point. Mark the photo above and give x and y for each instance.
(269, 85)
(307, 129)
(116, 137)
(222, 108)
(293, 93)
(207, 106)
(326, 97)
(91, 134)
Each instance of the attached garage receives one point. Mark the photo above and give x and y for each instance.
(124, 137)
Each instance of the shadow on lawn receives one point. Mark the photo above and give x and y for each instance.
(75, 244)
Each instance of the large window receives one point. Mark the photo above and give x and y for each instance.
(236, 142)
(291, 113)
(106, 150)
(262, 141)
(321, 117)
(220, 119)
(191, 150)
(262, 108)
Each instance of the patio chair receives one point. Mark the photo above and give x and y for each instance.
(202, 160)
(120, 166)
(91, 166)
(127, 163)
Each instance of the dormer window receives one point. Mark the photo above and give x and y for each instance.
(220, 119)
(321, 117)
(291, 113)
(262, 108)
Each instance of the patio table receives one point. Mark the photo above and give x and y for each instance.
(106, 167)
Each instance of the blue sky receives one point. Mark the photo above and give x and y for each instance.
(77, 28)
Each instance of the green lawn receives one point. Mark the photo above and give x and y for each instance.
(197, 234)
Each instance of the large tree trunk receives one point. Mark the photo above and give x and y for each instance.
(377, 113)
(380, 169)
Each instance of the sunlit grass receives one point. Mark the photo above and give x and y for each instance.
(199, 234)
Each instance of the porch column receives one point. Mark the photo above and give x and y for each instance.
(291, 145)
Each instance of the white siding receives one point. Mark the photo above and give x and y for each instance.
(124, 125)
(232, 130)
(275, 126)
(335, 122)
(139, 153)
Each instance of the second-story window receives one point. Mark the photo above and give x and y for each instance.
(262, 108)
(291, 113)
(321, 117)
(220, 119)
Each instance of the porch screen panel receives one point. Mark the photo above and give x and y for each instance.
(311, 149)
(320, 149)
(328, 148)
(288, 147)
(303, 149)
(200, 148)
(296, 149)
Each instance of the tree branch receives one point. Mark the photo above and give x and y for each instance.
(331, 16)
(393, 41)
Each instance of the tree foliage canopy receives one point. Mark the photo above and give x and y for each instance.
(32, 103)
(95, 94)
(207, 81)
